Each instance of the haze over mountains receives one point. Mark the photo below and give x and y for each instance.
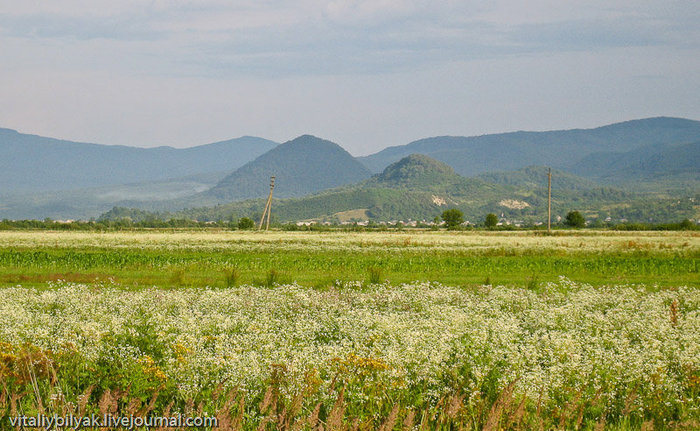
(32, 163)
(415, 186)
(564, 149)
(655, 157)
(664, 164)
(418, 187)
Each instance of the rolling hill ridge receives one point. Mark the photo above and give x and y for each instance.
(32, 163)
(420, 188)
(611, 166)
(563, 149)
(301, 166)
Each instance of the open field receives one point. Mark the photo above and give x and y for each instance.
(594, 330)
(565, 357)
(207, 258)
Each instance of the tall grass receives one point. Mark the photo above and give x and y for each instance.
(374, 275)
(563, 356)
(272, 278)
(232, 277)
(277, 409)
(177, 277)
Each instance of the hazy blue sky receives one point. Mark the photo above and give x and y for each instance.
(365, 74)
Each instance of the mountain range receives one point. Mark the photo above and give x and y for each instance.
(32, 163)
(606, 168)
(418, 187)
(578, 150)
(301, 166)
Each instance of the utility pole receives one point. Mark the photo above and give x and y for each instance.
(549, 200)
(268, 207)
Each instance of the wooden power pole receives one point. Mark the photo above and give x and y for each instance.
(268, 206)
(549, 200)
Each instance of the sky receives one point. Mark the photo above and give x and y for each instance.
(365, 74)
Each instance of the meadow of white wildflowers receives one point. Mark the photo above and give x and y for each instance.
(431, 338)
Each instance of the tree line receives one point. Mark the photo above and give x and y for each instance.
(452, 219)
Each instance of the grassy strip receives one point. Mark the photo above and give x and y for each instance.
(174, 268)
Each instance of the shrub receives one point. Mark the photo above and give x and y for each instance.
(575, 219)
(687, 225)
(245, 223)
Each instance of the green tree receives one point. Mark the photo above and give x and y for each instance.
(687, 225)
(491, 220)
(453, 218)
(575, 219)
(245, 223)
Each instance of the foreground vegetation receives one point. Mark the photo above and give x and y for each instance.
(354, 330)
(567, 356)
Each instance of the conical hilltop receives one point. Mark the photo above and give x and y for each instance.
(301, 166)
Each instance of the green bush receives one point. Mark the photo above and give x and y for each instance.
(453, 218)
(245, 223)
(491, 220)
(575, 219)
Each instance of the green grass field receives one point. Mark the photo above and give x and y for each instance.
(182, 258)
(354, 331)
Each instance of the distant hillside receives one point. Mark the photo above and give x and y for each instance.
(416, 171)
(624, 169)
(420, 173)
(662, 170)
(646, 162)
(87, 203)
(414, 187)
(532, 177)
(418, 187)
(33, 163)
(561, 149)
(301, 166)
